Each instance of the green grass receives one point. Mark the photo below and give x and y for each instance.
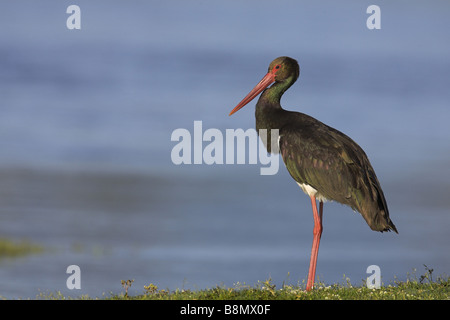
(414, 288)
(424, 287)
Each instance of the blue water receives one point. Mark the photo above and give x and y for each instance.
(86, 118)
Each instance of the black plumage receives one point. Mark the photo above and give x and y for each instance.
(320, 156)
(326, 163)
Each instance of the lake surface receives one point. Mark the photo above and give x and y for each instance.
(86, 118)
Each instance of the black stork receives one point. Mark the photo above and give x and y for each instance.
(325, 163)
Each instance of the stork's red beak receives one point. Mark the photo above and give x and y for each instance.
(264, 83)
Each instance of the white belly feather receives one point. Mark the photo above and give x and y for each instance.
(310, 191)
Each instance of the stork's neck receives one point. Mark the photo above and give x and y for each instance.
(268, 112)
(270, 98)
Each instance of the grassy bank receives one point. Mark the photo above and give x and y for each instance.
(424, 287)
(409, 290)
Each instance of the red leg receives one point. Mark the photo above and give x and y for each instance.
(317, 231)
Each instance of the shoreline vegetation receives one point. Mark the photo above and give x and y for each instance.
(424, 287)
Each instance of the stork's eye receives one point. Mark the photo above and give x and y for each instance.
(275, 69)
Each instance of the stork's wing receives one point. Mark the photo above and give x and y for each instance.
(337, 167)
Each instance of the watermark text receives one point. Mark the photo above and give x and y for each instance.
(235, 146)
